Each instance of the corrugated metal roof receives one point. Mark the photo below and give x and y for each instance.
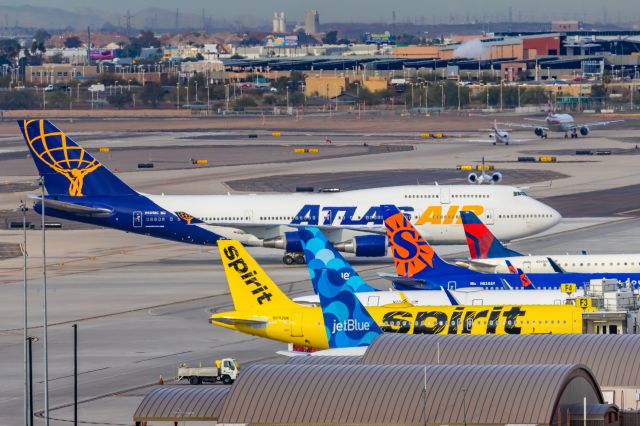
(613, 359)
(343, 360)
(393, 394)
(176, 403)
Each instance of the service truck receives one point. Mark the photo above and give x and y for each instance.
(226, 371)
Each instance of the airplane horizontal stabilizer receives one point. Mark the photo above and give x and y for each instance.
(251, 322)
(74, 208)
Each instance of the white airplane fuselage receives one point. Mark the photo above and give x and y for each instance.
(587, 263)
(560, 122)
(433, 209)
(463, 297)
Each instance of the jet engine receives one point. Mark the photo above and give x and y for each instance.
(472, 178)
(289, 242)
(584, 130)
(496, 177)
(539, 131)
(364, 245)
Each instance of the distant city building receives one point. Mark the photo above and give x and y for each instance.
(312, 22)
(565, 25)
(279, 23)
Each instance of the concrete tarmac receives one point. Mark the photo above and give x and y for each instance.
(142, 304)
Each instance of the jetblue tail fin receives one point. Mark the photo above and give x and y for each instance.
(320, 254)
(482, 243)
(412, 255)
(346, 320)
(524, 279)
(66, 167)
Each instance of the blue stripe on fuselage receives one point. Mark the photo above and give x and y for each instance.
(134, 213)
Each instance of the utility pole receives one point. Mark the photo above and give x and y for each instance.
(44, 300)
(75, 374)
(23, 208)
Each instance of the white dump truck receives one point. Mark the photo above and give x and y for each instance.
(226, 371)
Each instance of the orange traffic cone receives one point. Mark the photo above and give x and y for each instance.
(161, 380)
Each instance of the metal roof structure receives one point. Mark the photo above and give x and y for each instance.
(406, 394)
(177, 403)
(318, 360)
(613, 359)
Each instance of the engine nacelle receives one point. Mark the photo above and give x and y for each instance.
(364, 245)
(584, 130)
(289, 242)
(472, 178)
(496, 177)
(539, 131)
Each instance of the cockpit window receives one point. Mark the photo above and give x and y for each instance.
(519, 193)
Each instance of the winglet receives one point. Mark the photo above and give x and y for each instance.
(320, 254)
(451, 297)
(524, 279)
(481, 242)
(556, 268)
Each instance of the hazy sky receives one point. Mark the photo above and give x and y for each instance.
(376, 10)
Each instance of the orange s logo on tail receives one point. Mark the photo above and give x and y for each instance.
(411, 254)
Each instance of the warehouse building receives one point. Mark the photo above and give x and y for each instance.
(613, 359)
(388, 395)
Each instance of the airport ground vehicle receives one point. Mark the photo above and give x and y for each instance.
(225, 371)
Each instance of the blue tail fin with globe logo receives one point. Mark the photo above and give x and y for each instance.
(346, 320)
(66, 167)
(320, 253)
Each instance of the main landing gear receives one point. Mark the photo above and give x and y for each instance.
(291, 258)
(574, 134)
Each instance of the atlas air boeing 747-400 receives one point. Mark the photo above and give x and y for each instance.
(80, 188)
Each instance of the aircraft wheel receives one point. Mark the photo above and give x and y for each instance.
(300, 260)
(287, 259)
(506, 143)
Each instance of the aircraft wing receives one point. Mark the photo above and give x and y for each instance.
(251, 322)
(525, 125)
(599, 123)
(74, 208)
(402, 280)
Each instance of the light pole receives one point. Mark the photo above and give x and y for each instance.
(178, 95)
(44, 301)
(196, 82)
(23, 209)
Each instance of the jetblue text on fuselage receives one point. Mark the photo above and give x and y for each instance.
(350, 325)
(312, 214)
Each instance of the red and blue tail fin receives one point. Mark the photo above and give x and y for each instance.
(482, 243)
(524, 279)
(412, 255)
(66, 167)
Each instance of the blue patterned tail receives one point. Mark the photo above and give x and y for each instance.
(320, 254)
(66, 167)
(346, 320)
